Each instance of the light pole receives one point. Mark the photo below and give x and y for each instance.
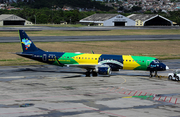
(52, 14)
(35, 18)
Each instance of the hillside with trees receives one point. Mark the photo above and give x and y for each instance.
(45, 15)
(45, 11)
(50, 11)
(38, 4)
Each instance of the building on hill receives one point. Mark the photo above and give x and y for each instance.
(150, 20)
(108, 20)
(10, 19)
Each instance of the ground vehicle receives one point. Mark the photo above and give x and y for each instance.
(175, 75)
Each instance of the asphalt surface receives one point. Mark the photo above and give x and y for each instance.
(92, 38)
(51, 91)
(86, 28)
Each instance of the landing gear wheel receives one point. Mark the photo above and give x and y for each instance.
(88, 74)
(94, 74)
(151, 74)
(155, 75)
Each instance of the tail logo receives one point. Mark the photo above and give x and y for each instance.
(26, 42)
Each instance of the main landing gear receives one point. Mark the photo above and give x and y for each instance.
(151, 74)
(91, 72)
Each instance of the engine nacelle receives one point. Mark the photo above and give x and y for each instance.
(104, 70)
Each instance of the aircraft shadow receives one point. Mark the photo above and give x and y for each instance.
(82, 74)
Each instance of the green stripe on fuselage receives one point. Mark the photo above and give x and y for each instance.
(143, 61)
(67, 58)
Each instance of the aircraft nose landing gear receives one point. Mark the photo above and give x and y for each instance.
(151, 74)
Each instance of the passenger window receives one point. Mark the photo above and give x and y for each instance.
(129, 60)
(82, 57)
(67, 57)
(64, 57)
(79, 57)
(76, 57)
(142, 61)
(126, 60)
(95, 58)
(92, 58)
(88, 58)
(139, 61)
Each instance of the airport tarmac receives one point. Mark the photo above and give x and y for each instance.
(92, 38)
(52, 91)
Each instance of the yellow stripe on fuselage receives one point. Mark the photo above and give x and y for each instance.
(91, 59)
(129, 63)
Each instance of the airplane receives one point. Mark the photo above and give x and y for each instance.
(95, 64)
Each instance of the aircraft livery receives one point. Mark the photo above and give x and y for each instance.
(94, 63)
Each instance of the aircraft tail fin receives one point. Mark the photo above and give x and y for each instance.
(26, 43)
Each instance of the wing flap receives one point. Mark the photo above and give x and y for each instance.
(85, 66)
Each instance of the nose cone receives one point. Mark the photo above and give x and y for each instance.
(163, 67)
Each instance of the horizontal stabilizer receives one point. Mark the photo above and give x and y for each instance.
(24, 55)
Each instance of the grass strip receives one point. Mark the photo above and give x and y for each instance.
(93, 33)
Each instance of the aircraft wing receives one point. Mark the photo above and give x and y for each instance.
(85, 66)
(110, 63)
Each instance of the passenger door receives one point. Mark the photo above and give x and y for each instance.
(147, 63)
(44, 58)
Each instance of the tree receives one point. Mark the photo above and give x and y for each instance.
(19, 1)
(136, 8)
(2, 1)
(117, 1)
(121, 8)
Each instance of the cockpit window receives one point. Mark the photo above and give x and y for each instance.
(157, 61)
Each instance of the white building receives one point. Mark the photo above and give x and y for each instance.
(10, 19)
(108, 20)
(150, 20)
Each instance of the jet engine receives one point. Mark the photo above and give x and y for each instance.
(104, 70)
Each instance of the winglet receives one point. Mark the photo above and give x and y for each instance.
(92, 52)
